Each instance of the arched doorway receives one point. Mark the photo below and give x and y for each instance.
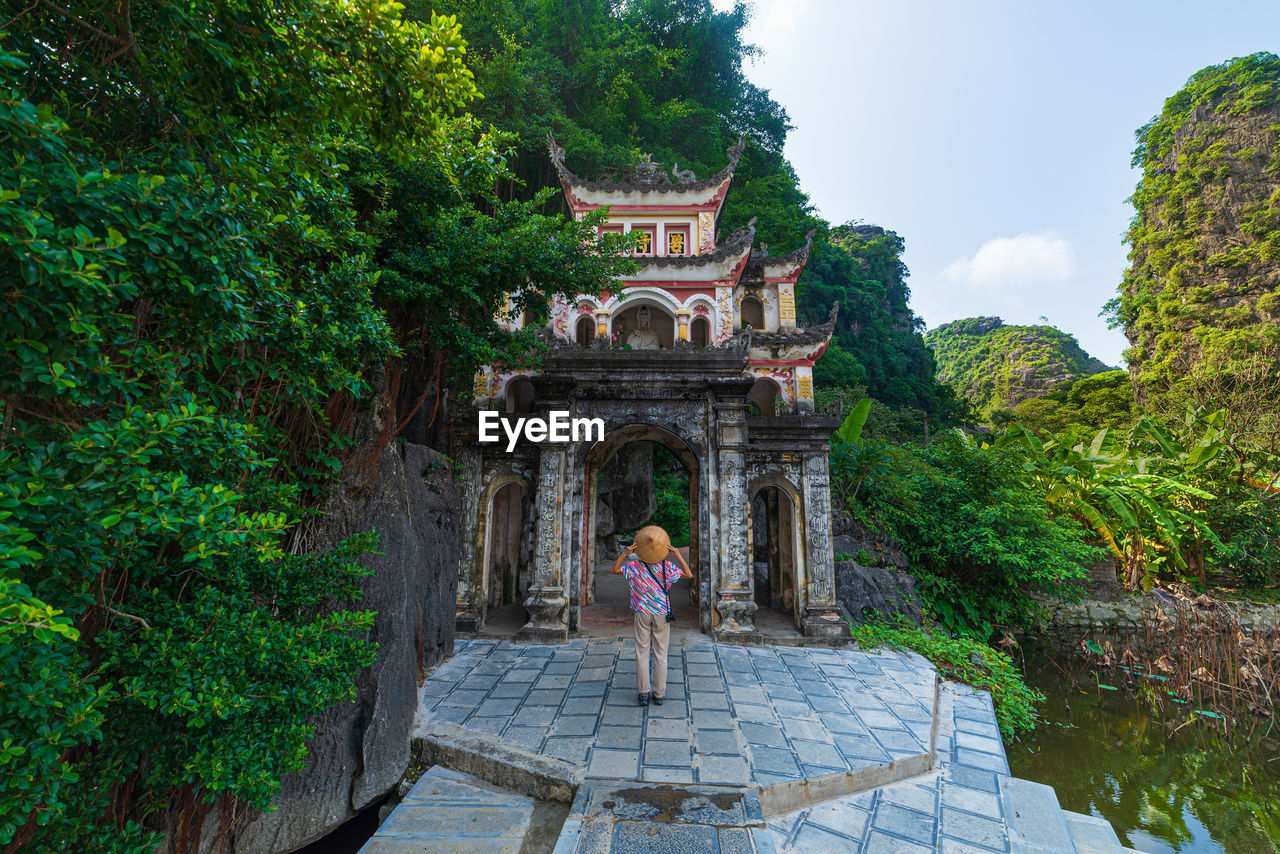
(700, 332)
(506, 547)
(661, 321)
(776, 571)
(520, 396)
(753, 313)
(614, 498)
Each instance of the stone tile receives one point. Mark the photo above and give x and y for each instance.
(702, 700)
(910, 712)
(736, 840)
(816, 754)
(535, 716)
(522, 675)
(583, 725)
(621, 697)
(528, 737)
(641, 837)
(711, 741)
(920, 798)
(499, 707)
(973, 829)
(843, 724)
(583, 705)
(905, 823)
(805, 729)
(983, 743)
(971, 800)
(588, 689)
(619, 764)
(619, 737)
(493, 726)
(670, 728)
(562, 668)
(659, 774)
(817, 840)
(674, 753)
(544, 698)
(706, 683)
(828, 704)
(973, 778)
(722, 769)
(706, 719)
(875, 719)
(632, 715)
(785, 694)
(571, 749)
(897, 739)
(470, 699)
(708, 669)
(763, 735)
(985, 761)
(773, 760)
(793, 709)
(451, 714)
(839, 817)
(670, 709)
(754, 714)
(947, 845)
(747, 694)
(553, 682)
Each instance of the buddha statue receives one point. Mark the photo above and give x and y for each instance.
(643, 338)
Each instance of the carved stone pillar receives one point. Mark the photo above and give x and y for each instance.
(734, 599)
(602, 324)
(820, 619)
(547, 600)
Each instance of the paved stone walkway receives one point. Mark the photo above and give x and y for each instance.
(758, 750)
(733, 715)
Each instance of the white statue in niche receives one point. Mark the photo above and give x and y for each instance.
(643, 338)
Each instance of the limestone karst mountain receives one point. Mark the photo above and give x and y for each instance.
(997, 366)
(1200, 302)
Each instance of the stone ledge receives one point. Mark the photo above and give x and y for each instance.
(492, 761)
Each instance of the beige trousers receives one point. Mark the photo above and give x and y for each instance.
(652, 629)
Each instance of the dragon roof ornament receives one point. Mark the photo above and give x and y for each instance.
(761, 258)
(647, 175)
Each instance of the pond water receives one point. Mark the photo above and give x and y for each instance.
(1193, 790)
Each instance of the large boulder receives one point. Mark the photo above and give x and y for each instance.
(869, 592)
(626, 485)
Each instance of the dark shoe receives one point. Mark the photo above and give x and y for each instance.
(643, 698)
(657, 701)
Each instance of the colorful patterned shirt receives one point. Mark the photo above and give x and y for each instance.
(646, 581)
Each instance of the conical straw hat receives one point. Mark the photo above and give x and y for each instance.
(652, 544)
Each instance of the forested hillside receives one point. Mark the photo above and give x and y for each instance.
(1200, 302)
(995, 366)
(615, 81)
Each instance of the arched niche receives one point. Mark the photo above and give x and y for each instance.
(661, 321)
(764, 394)
(752, 313)
(700, 332)
(777, 563)
(585, 331)
(520, 396)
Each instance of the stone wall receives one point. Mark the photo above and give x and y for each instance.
(1120, 616)
(864, 591)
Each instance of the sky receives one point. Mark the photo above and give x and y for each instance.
(994, 137)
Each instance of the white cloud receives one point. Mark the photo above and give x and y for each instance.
(1024, 259)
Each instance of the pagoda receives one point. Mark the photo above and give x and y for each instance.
(698, 351)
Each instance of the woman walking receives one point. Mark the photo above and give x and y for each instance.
(649, 571)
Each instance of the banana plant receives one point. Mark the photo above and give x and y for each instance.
(1138, 490)
(852, 460)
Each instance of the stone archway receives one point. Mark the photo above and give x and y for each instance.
(776, 553)
(596, 459)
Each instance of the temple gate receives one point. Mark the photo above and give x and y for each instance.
(699, 353)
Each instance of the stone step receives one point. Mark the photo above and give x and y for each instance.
(1092, 835)
(447, 811)
(1034, 818)
(619, 817)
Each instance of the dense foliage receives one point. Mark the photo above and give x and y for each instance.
(617, 80)
(199, 274)
(1201, 297)
(996, 367)
(966, 660)
(1088, 403)
(978, 536)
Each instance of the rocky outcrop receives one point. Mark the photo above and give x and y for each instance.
(1200, 302)
(626, 498)
(997, 366)
(874, 592)
(853, 540)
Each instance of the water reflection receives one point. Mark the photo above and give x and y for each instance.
(1163, 788)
